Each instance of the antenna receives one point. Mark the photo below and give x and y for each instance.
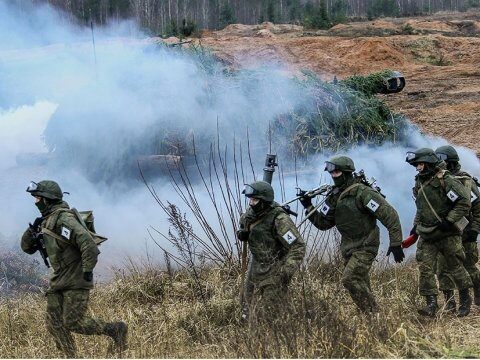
(93, 43)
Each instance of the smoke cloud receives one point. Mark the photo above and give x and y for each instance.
(94, 110)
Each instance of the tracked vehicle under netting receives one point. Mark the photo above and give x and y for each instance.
(329, 117)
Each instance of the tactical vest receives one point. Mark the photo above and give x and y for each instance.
(355, 223)
(60, 251)
(435, 192)
(265, 244)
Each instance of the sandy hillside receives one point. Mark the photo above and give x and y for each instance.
(439, 56)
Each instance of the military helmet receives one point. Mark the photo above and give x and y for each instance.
(46, 188)
(423, 155)
(447, 153)
(259, 190)
(341, 163)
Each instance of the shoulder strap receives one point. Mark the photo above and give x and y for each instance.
(53, 217)
(55, 236)
(344, 192)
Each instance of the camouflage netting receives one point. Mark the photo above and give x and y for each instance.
(338, 116)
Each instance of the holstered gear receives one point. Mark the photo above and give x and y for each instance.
(450, 304)
(465, 302)
(431, 308)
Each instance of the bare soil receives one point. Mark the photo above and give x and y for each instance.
(439, 56)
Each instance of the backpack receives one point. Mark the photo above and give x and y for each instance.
(85, 218)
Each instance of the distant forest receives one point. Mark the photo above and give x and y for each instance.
(177, 17)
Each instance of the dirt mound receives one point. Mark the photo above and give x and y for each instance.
(241, 30)
(439, 55)
(367, 51)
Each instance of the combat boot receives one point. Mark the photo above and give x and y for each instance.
(465, 302)
(476, 295)
(118, 332)
(450, 304)
(431, 308)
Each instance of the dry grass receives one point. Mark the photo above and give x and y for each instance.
(167, 318)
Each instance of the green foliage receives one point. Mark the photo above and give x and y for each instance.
(368, 85)
(408, 29)
(316, 16)
(271, 15)
(171, 29)
(227, 15)
(188, 28)
(339, 11)
(473, 3)
(383, 8)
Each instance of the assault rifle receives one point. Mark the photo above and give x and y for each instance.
(360, 176)
(37, 234)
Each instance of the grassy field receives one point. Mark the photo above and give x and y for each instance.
(169, 318)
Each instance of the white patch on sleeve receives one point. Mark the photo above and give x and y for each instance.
(373, 205)
(325, 208)
(66, 233)
(452, 196)
(289, 237)
(474, 197)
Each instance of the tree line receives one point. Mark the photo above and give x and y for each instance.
(173, 17)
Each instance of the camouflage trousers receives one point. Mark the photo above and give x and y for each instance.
(445, 279)
(267, 297)
(427, 254)
(66, 313)
(356, 279)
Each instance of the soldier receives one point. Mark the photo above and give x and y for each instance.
(470, 234)
(276, 246)
(442, 204)
(354, 207)
(73, 255)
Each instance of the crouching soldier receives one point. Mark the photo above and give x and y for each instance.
(442, 204)
(72, 253)
(354, 207)
(277, 248)
(469, 237)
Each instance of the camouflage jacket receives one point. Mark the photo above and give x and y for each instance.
(474, 216)
(447, 196)
(71, 257)
(275, 243)
(354, 210)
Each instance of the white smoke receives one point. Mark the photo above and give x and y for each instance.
(107, 102)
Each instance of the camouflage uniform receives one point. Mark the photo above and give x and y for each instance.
(354, 209)
(277, 250)
(72, 255)
(469, 236)
(451, 201)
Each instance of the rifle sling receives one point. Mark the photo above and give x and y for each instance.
(428, 201)
(344, 192)
(55, 236)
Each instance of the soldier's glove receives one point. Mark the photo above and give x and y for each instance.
(88, 276)
(397, 252)
(470, 236)
(414, 230)
(445, 226)
(38, 221)
(306, 201)
(243, 235)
